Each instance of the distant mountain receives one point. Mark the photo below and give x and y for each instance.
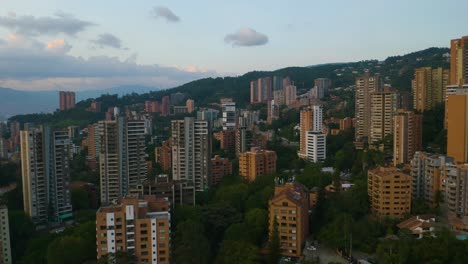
(15, 102)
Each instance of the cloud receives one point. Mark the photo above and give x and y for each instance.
(109, 40)
(26, 63)
(164, 12)
(58, 45)
(31, 25)
(246, 37)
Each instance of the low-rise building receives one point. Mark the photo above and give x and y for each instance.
(175, 192)
(256, 162)
(220, 167)
(389, 192)
(419, 225)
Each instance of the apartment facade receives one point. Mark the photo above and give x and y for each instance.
(407, 136)
(427, 172)
(229, 115)
(191, 152)
(389, 192)
(122, 158)
(139, 226)
(45, 169)
(459, 60)
(383, 107)
(220, 167)
(261, 90)
(316, 146)
(5, 248)
(324, 85)
(457, 125)
(256, 162)
(175, 192)
(428, 87)
(365, 86)
(190, 104)
(67, 100)
(163, 155)
(289, 210)
(310, 120)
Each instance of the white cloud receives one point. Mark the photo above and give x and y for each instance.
(31, 25)
(165, 13)
(108, 40)
(26, 63)
(246, 37)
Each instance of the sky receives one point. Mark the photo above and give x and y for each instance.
(82, 45)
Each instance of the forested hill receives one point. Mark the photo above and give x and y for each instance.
(396, 70)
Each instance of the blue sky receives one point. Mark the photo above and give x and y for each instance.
(193, 39)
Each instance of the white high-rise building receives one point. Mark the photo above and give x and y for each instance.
(317, 120)
(229, 115)
(316, 146)
(313, 140)
(45, 167)
(191, 152)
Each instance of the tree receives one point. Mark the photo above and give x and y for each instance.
(68, 249)
(21, 230)
(190, 244)
(79, 199)
(233, 252)
(274, 245)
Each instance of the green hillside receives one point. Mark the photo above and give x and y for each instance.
(396, 70)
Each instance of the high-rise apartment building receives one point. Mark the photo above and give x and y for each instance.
(229, 115)
(459, 61)
(427, 172)
(290, 95)
(455, 196)
(228, 140)
(163, 155)
(122, 158)
(45, 167)
(323, 85)
(244, 137)
(273, 111)
(220, 167)
(428, 87)
(210, 115)
(3, 148)
(165, 106)
(256, 162)
(191, 152)
(310, 121)
(383, 107)
(289, 210)
(261, 90)
(152, 107)
(365, 86)
(137, 226)
(407, 136)
(389, 192)
(67, 100)
(316, 148)
(457, 127)
(5, 249)
(190, 104)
